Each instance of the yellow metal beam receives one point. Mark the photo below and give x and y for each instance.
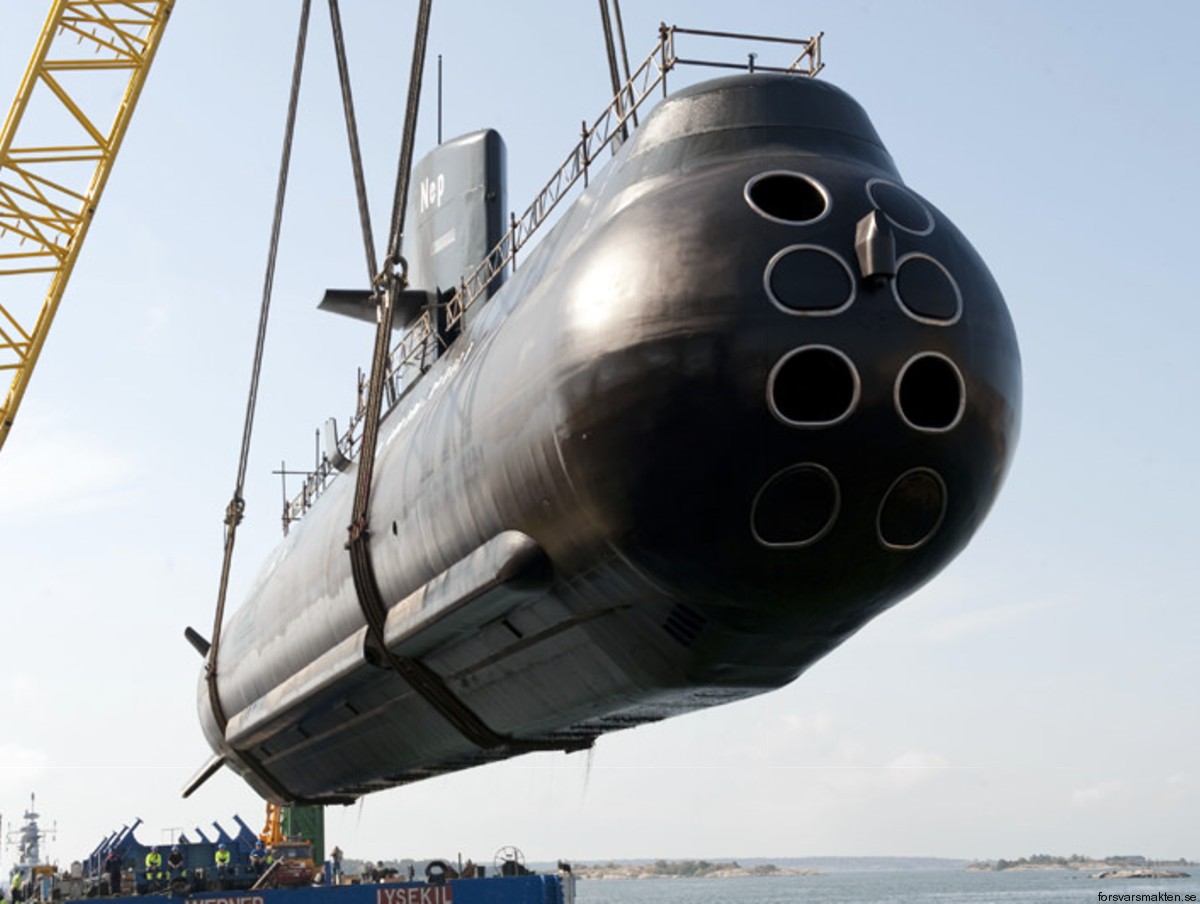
(51, 174)
(272, 832)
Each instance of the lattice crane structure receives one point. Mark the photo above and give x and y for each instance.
(56, 151)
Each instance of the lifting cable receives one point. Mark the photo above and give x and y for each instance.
(360, 183)
(611, 50)
(610, 47)
(237, 504)
(404, 169)
(388, 284)
(625, 59)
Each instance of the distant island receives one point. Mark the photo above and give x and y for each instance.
(683, 869)
(1115, 867)
(1129, 866)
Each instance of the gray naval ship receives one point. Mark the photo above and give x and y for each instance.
(749, 391)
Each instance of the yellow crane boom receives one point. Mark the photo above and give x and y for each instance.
(56, 151)
(272, 832)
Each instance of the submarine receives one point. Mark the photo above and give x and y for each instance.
(748, 392)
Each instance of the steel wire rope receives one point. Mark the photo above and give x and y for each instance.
(237, 505)
(424, 680)
(611, 52)
(360, 185)
(387, 284)
(625, 60)
(621, 88)
(404, 168)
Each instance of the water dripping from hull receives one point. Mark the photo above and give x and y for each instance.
(587, 774)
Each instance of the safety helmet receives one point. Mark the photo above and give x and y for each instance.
(220, 847)
(175, 849)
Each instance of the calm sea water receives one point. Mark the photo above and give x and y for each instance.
(887, 887)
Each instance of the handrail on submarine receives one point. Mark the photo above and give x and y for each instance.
(611, 125)
(420, 343)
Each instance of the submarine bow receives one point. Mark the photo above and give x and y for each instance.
(749, 392)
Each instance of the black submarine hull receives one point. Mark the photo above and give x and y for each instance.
(749, 392)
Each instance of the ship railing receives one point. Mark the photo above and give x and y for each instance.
(417, 349)
(594, 138)
(613, 126)
(807, 62)
(420, 343)
(314, 483)
(345, 448)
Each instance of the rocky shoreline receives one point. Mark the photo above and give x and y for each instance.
(683, 869)
(1108, 868)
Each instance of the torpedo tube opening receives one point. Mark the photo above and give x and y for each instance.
(787, 197)
(926, 291)
(813, 386)
(809, 280)
(900, 206)
(796, 507)
(912, 509)
(930, 394)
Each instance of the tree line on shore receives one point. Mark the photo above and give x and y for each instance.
(1075, 861)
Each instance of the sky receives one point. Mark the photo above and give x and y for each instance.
(1040, 695)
